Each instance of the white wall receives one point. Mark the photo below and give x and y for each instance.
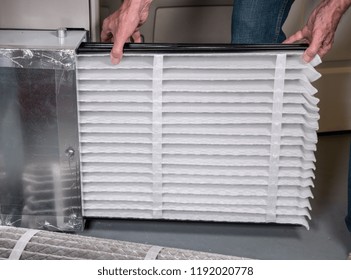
(189, 21)
(44, 14)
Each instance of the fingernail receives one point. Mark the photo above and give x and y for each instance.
(115, 60)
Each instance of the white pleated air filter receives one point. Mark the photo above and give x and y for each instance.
(198, 133)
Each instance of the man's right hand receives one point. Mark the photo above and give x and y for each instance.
(123, 25)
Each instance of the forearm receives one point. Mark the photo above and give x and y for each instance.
(330, 12)
(134, 10)
(139, 5)
(337, 6)
(343, 5)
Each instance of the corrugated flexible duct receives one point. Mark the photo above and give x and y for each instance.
(29, 244)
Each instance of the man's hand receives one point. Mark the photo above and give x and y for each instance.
(124, 25)
(320, 29)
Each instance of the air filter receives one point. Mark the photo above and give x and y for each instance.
(24, 244)
(211, 133)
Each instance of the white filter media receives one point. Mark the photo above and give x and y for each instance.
(195, 136)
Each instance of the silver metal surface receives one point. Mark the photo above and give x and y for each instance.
(40, 39)
(37, 59)
(62, 32)
(39, 183)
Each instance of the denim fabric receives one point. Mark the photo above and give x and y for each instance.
(259, 21)
(348, 217)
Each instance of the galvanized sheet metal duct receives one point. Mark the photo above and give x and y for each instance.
(198, 136)
(39, 177)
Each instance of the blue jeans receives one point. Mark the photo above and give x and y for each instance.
(259, 21)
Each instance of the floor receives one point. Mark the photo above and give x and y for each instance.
(327, 239)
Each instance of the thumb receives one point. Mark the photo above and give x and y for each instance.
(312, 50)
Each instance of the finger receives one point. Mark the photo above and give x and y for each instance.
(324, 49)
(106, 37)
(294, 38)
(116, 53)
(117, 50)
(327, 45)
(137, 37)
(312, 50)
(105, 34)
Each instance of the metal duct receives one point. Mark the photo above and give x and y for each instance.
(24, 244)
(39, 168)
(217, 135)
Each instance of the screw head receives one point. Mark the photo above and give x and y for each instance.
(70, 152)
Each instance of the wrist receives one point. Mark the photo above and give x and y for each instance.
(137, 3)
(143, 2)
(138, 6)
(340, 5)
(347, 3)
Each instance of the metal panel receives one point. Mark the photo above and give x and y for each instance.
(39, 159)
(44, 14)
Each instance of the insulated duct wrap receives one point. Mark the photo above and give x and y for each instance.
(217, 136)
(24, 244)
